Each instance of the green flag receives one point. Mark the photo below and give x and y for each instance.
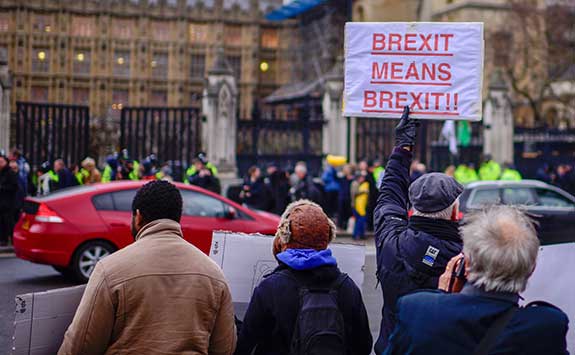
(463, 133)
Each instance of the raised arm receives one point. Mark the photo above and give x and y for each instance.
(393, 196)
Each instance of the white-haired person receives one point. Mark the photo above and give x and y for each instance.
(306, 300)
(500, 248)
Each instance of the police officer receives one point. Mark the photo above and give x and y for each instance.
(193, 170)
(510, 173)
(412, 253)
(490, 170)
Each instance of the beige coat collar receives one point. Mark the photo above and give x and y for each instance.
(162, 226)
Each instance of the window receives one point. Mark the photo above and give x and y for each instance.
(235, 62)
(200, 205)
(484, 197)
(39, 94)
(123, 200)
(121, 63)
(81, 96)
(233, 35)
(41, 60)
(159, 65)
(160, 30)
(518, 196)
(122, 28)
(119, 100)
(549, 198)
(42, 23)
(269, 38)
(198, 33)
(159, 98)
(83, 26)
(4, 22)
(81, 62)
(103, 202)
(197, 65)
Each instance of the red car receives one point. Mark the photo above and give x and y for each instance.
(73, 228)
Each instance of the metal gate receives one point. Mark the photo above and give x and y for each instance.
(282, 137)
(52, 131)
(375, 138)
(173, 134)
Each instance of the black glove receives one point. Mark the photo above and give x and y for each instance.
(406, 130)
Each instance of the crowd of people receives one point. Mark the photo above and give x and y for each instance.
(18, 180)
(446, 289)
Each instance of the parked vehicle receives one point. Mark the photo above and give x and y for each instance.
(73, 228)
(553, 208)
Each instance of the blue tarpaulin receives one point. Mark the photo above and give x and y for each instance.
(293, 9)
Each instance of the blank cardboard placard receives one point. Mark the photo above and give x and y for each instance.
(247, 258)
(434, 68)
(42, 319)
(554, 281)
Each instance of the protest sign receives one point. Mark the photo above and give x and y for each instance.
(247, 258)
(553, 281)
(435, 68)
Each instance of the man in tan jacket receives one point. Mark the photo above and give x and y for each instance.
(160, 295)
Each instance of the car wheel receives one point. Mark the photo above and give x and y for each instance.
(87, 256)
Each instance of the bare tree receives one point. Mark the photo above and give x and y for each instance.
(536, 50)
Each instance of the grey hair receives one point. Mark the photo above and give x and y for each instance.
(501, 244)
(443, 214)
(301, 167)
(284, 233)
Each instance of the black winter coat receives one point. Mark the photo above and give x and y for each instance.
(411, 254)
(8, 189)
(270, 319)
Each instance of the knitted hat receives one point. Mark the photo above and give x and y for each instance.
(304, 225)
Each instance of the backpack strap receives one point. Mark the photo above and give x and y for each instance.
(490, 337)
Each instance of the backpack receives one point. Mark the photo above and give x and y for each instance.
(319, 327)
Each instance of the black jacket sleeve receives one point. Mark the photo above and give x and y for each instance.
(257, 324)
(360, 341)
(391, 209)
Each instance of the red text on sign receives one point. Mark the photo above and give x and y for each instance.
(411, 42)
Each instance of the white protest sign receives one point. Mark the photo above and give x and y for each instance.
(435, 68)
(247, 258)
(554, 281)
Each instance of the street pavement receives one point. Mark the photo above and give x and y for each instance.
(19, 277)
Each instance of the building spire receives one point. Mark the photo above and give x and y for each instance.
(221, 65)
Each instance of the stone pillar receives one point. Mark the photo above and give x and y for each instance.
(498, 121)
(5, 90)
(219, 106)
(335, 135)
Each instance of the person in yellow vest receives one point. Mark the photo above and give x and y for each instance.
(490, 170)
(510, 173)
(465, 174)
(111, 168)
(360, 198)
(89, 173)
(192, 170)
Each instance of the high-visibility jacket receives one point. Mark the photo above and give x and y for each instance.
(107, 174)
(511, 175)
(192, 170)
(135, 173)
(489, 171)
(82, 175)
(465, 175)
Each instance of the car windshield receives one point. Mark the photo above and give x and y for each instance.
(69, 191)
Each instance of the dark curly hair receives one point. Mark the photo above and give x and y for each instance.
(157, 200)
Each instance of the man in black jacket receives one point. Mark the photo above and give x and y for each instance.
(301, 250)
(8, 190)
(412, 253)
